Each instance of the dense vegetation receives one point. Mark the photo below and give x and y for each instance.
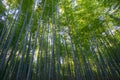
(59, 39)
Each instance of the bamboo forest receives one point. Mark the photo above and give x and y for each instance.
(59, 39)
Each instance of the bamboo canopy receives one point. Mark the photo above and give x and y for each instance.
(59, 40)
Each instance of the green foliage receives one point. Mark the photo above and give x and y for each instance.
(60, 39)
